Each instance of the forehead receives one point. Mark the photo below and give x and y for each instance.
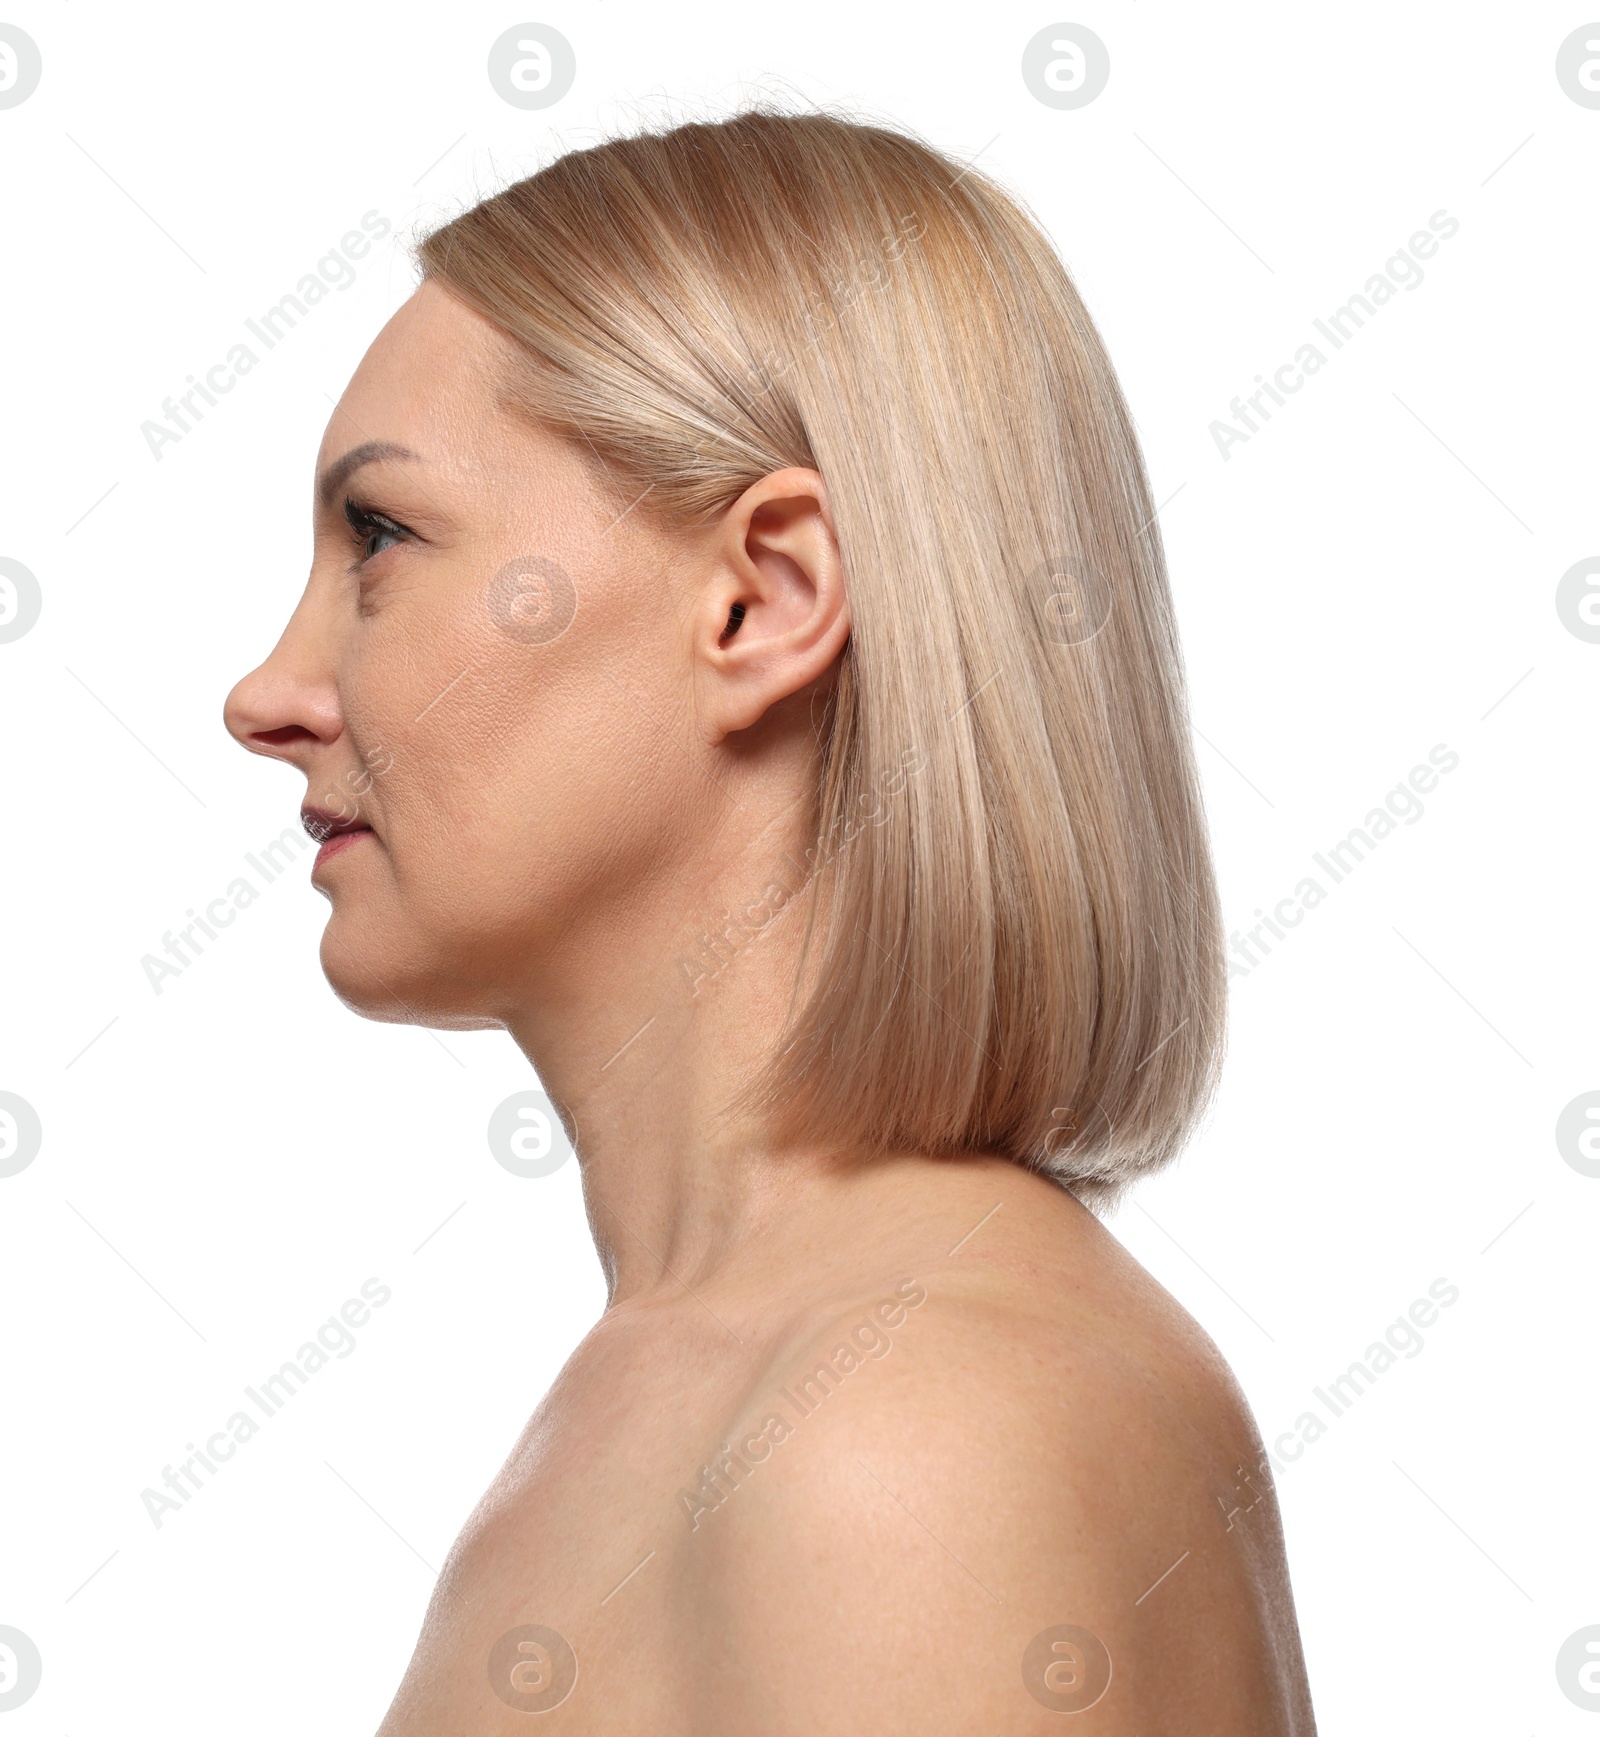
(430, 381)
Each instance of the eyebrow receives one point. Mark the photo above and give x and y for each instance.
(369, 452)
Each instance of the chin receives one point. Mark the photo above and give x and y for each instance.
(395, 990)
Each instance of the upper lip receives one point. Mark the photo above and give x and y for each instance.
(324, 823)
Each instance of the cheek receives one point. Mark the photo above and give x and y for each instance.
(546, 782)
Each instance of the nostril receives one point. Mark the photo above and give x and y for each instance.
(281, 738)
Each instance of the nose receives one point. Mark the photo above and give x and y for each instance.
(288, 707)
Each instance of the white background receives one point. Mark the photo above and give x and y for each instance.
(1373, 573)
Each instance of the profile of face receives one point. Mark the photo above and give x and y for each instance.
(541, 710)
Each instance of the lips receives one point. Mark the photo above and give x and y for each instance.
(321, 824)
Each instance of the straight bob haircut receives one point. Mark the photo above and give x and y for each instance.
(1014, 944)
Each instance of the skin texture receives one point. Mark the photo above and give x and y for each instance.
(1014, 1427)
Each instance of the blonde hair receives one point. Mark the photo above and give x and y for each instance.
(1022, 953)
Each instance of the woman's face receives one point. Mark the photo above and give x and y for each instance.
(489, 675)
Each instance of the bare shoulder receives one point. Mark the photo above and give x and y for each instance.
(1017, 1483)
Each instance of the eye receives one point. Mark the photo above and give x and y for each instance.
(371, 528)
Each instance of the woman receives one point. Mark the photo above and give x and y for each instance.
(737, 660)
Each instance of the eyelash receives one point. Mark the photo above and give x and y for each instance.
(367, 523)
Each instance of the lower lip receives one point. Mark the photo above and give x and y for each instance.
(340, 841)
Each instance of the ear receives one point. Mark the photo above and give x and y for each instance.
(771, 616)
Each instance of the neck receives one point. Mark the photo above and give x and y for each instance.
(646, 1035)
